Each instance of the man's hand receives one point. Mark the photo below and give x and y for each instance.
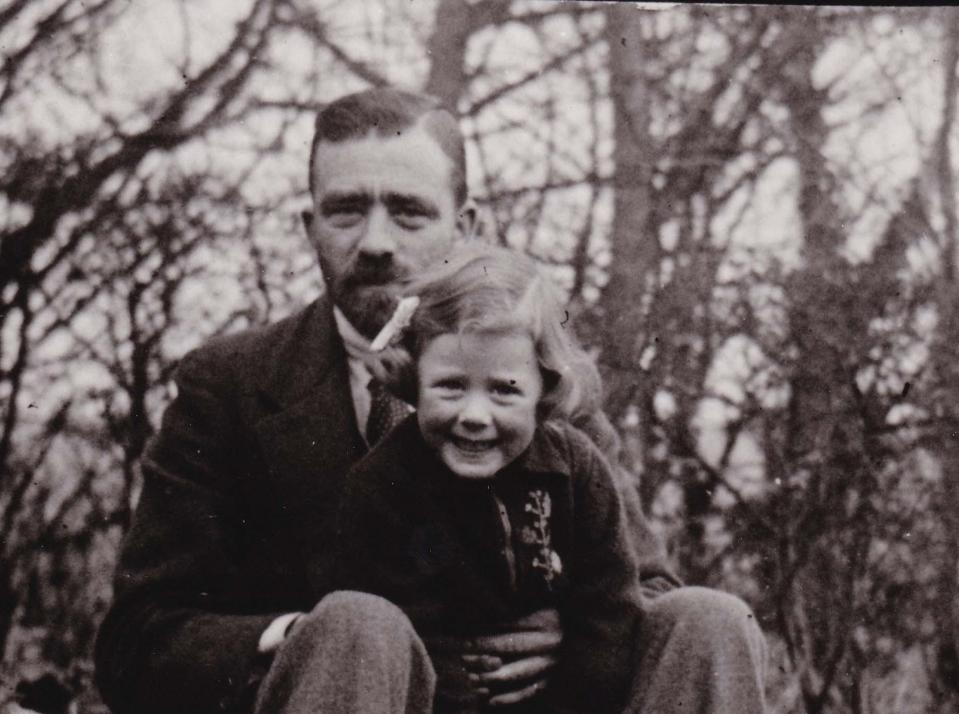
(510, 664)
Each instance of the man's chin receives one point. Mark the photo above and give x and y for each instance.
(368, 308)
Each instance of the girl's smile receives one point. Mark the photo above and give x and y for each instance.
(477, 399)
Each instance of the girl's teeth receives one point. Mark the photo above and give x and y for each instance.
(467, 445)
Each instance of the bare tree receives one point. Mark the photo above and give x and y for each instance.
(789, 411)
(91, 259)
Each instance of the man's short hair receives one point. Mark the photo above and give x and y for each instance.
(386, 111)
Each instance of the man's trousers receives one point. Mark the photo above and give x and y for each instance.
(698, 651)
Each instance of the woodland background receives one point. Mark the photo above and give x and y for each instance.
(753, 210)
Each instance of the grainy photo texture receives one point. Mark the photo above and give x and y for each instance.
(683, 439)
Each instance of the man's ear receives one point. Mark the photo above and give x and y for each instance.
(467, 220)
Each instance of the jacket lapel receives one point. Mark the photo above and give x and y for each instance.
(309, 438)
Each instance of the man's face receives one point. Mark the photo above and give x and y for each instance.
(384, 209)
(476, 399)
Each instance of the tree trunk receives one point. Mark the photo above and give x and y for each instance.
(457, 21)
(819, 387)
(635, 247)
(947, 353)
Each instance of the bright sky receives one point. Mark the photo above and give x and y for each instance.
(149, 47)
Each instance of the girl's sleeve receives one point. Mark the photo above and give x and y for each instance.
(373, 534)
(385, 545)
(603, 606)
(362, 525)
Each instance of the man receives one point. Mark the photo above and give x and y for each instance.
(223, 600)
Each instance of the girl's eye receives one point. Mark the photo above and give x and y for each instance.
(449, 385)
(506, 389)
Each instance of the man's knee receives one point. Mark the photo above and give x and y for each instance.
(353, 614)
(711, 616)
(699, 650)
(352, 652)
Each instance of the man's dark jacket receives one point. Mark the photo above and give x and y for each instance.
(236, 521)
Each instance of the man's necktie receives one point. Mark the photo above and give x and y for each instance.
(386, 411)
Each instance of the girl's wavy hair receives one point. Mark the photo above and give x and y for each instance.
(481, 288)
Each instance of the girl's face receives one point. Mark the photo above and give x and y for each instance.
(477, 399)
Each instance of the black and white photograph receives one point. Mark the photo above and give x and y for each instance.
(477, 356)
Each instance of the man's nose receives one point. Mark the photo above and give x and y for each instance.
(475, 413)
(378, 241)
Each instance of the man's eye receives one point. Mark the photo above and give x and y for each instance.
(345, 217)
(410, 212)
(410, 217)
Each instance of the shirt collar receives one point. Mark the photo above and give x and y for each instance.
(357, 346)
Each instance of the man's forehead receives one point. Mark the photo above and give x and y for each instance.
(411, 162)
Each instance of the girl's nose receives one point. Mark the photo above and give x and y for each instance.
(475, 414)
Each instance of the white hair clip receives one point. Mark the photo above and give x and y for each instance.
(398, 322)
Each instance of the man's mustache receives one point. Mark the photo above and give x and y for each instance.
(368, 273)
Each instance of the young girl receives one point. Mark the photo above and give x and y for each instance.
(486, 504)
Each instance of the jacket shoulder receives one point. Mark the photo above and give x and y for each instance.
(244, 355)
(252, 340)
